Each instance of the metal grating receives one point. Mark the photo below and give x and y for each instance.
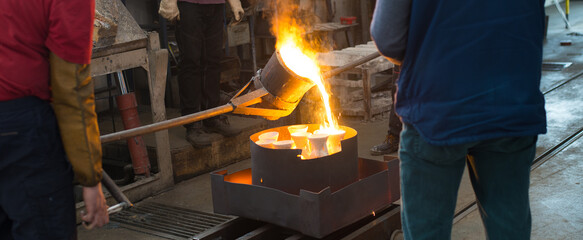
(555, 66)
(167, 221)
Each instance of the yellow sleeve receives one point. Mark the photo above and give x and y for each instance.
(74, 105)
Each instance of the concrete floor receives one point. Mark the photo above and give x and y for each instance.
(556, 191)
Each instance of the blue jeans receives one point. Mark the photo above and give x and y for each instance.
(430, 177)
(36, 179)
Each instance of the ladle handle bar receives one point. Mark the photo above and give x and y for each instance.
(154, 127)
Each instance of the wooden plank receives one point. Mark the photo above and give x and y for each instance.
(340, 58)
(355, 108)
(344, 82)
(332, 26)
(374, 47)
(117, 62)
(359, 50)
(157, 69)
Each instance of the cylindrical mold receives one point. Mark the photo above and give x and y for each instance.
(285, 87)
(283, 169)
(127, 105)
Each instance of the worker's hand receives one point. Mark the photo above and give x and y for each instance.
(237, 9)
(96, 208)
(169, 10)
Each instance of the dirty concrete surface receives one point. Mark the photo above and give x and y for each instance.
(556, 187)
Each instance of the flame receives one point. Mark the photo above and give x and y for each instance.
(297, 53)
(304, 66)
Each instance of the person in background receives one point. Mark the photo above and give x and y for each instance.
(48, 124)
(468, 94)
(199, 33)
(391, 143)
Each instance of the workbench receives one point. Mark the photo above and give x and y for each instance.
(132, 48)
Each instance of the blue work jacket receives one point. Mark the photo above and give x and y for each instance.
(471, 69)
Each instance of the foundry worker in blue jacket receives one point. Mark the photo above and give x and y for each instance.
(468, 93)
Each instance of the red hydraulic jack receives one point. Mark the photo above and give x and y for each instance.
(127, 105)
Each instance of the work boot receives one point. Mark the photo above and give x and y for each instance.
(198, 137)
(390, 145)
(222, 126)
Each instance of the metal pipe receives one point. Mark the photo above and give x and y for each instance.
(122, 83)
(114, 190)
(154, 127)
(350, 65)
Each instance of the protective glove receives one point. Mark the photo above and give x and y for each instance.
(169, 10)
(237, 9)
(74, 105)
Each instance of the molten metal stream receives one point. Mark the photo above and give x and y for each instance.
(306, 67)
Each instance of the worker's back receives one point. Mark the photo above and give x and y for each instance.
(472, 70)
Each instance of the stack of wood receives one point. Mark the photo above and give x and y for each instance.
(349, 87)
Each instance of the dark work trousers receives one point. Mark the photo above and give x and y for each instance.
(395, 124)
(36, 179)
(199, 34)
(430, 178)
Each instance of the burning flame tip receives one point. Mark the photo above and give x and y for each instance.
(299, 56)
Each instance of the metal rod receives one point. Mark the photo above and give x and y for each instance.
(154, 127)
(350, 65)
(122, 83)
(562, 13)
(114, 189)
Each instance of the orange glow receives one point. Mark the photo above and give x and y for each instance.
(298, 54)
(373, 213)
(242, 177)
